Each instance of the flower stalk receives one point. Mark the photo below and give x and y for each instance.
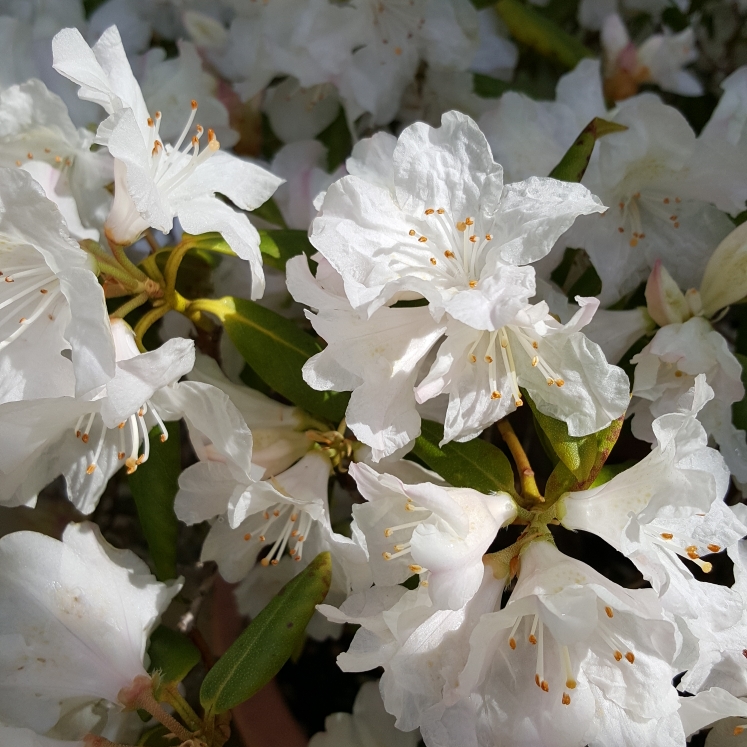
(529, 489)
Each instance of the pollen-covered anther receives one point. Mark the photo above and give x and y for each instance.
(630, 656)
(84, 438)
(559, 382)
(488, 237)
(473, 359)
(566, 699)
(429, 211)
(618, 655)
(473, 283)
(532, 639)
(121, 455)
(415, 568)
(422, 239)
(545, 686)
(469, 221)
(738, 730)
(714, 548)
(488, 359)
(433, 261)
(131, 465)
(609, 612)
(386, 555)
(495, 395)
(411, 232)
(535, 361)
(193, 104)
(666, 535)
(512, 643)
(473, 239)
(90, 469)
(692, 552)
(449, 254)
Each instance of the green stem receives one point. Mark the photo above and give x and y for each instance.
(150, 266)
(129, 267)
(122, 311)
(115, 271)
(171, 695)
(529, 487)
(147, 321)
(172, 264)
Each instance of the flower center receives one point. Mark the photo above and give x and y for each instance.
(171, 167)
(536, 638)
(498, 344)
(27, 292)
(402, 546)
(296, 526)
(663, 206)
(395, 22)
(133, 429)
(457, 247)
(684, 546)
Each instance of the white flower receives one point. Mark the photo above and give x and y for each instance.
(289, 510)
(302, 166)
(687, 346)
(422, 649)
(37, 132)
(156, 182)
(296, 113)
(439, 224)
(77, 615)
(665, 200)
(440, 533)
(729, 118)
(369, 725)
(709, 706)
(496, 55)
(660, 59)
(50, 300)
(88, 439)
(572, 659)
(592, 13)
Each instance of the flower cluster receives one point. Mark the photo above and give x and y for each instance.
(406, 311)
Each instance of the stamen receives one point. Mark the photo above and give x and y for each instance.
(570, 681)
(389, 531)
(532, 638)
(131, 462)
(511, 639)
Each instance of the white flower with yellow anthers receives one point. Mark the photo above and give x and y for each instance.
(286, 512)
(687, 345)
(571, 660)
(76, 619)
(50, 300)
(422, 650)
(669, 507)
(88, 439)
(156, 182)
(36, 131)
(440, 533)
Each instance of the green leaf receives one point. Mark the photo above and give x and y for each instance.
(576, 275)
(338, 140)
(473, 464)
(158, 736)
(580, 459)
(154, 485)
(488, 87)
(572, 166)
(541, 34)
(270, 212)
(172, 654)
(276, 349)
(257, 655)
(739, 409)
(279, 245)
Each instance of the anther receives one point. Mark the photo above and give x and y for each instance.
(473, 283)
(430, 211)
(714, 548)
(533, 640)
(473, 239)
(666, 535)
(473, 359)
(90, 469)
(545, 687)
(423, 239)
(630, 657)
(609, 611)
(692, 552)
(461, 226)
(633, 242)
(433, 261)
(415, 568)
(672, 217)
(512, 643)
(495, 395)
(469, 221)
(535, 361)
(440, 211)
(559, 382)
(193, 104)
(18, 163)
(150, 121)
(566, 699)
(676, 224)
(43, 291)
(449, 254)
(738, 730)
(411, 232)
(488, 237)
(30, 156)
(488, 359)
(618, 656)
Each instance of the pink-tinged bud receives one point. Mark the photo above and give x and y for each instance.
(665, 301)
(725, 278)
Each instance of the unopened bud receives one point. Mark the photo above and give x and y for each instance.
(666, 303)
(725, 278)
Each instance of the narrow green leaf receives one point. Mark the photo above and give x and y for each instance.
(257, 655)
(276, 349)
(154, 486)
(172, 654)
(541, 34)
(572, 166)
(279, 245)
(739, 409)
(473, 464)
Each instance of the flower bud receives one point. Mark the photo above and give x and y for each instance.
(665, 301)
(725, 278)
